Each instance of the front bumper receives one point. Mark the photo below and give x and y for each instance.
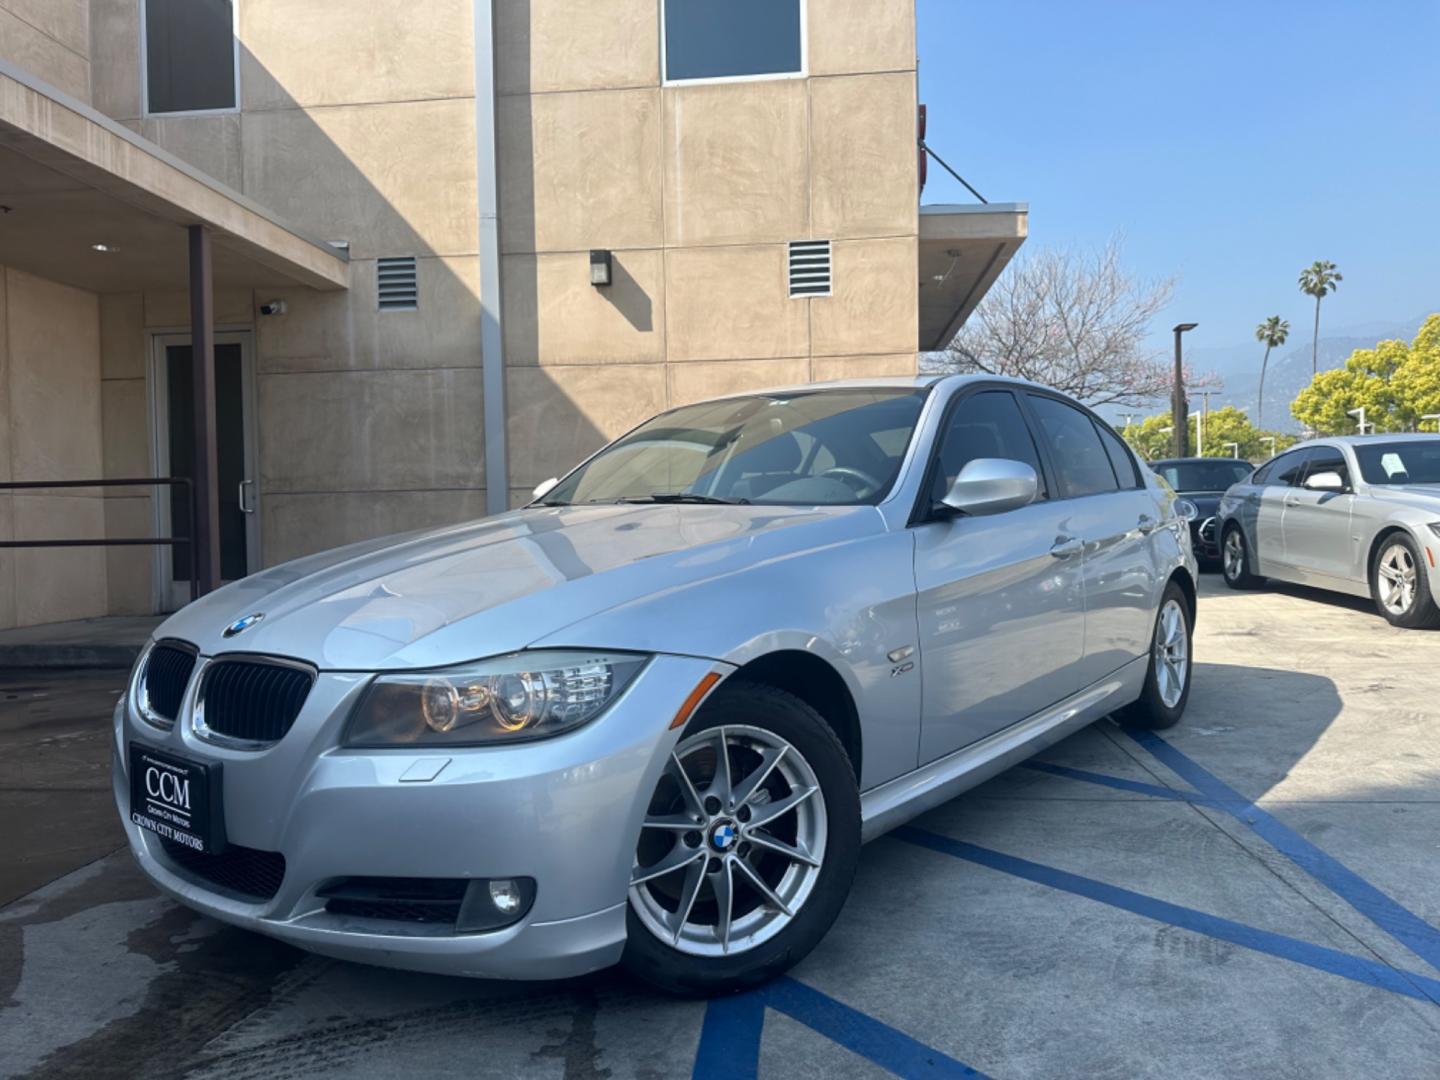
(564, 811)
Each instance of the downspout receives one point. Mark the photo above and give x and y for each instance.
(492, 354)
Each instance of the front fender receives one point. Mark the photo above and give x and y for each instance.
(849, 604)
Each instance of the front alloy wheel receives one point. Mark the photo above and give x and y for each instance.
(1401, 586)
(747, 848)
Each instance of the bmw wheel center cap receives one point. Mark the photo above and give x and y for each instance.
(722, 836)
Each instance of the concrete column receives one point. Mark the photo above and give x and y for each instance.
(205, 513)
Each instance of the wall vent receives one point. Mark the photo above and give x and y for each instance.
(810, 268)
(396, 284)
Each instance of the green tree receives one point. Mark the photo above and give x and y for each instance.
(1151, 437)
(1272, 334)
(1395, 382)
(1318, 279)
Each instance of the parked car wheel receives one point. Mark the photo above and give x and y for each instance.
(1400, 584)
(748, 848)
(1172, 653)
(1235, 560)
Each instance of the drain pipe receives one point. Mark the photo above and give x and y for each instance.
(492, 351)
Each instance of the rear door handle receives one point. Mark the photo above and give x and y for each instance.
(1291, 500)
(1067, 547)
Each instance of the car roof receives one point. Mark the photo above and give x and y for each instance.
(1362, 440)
(890, 382)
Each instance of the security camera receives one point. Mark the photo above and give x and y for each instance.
(273, 307)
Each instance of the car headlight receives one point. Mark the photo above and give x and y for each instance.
(528, 695)
(1186, 510)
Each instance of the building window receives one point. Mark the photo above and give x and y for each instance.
(190, 57)
(706, 40)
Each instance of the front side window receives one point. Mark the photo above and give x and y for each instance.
(811, 448)
(190, 57)
(1080, 459)
(733, 39)
(1413, 462)
(985, 425)
(1289, 470)
(1325, 459)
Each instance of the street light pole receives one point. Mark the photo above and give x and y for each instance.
(1234, 449)
(1178, 411)
(1359, 414)
(1432, 416)
(1271, 440)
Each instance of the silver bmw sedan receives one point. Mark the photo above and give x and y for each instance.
(652, 716)
(1357, 515)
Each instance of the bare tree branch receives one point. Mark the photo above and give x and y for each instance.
(1073, 321)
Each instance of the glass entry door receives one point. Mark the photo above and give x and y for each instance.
(172, 377)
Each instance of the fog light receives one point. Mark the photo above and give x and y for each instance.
(505, 895)
(495, 903)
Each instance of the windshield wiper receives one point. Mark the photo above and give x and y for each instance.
(681, 497)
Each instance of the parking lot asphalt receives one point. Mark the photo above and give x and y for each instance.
(1251, 894)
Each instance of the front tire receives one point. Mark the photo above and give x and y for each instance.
(748, 849)
(1172, 660)
(1400, 585)
(1235, 560)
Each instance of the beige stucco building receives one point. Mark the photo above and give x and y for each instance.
(395, 227)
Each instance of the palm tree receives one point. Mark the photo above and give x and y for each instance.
(1318, 279)
(1270, 333)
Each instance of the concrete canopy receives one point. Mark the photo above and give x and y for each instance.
(963, 248)
(71, 178)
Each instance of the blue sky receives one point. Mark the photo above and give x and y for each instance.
(1230, 143)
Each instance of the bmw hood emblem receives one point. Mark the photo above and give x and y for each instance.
(239, 626)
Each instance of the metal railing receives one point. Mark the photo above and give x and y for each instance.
(135, 541)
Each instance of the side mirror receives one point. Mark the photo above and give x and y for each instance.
(992, 486)
(1325, 481)
(543, 488)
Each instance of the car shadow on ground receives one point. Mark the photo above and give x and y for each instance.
(215, 999)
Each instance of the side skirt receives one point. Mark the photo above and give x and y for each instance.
(897, 801)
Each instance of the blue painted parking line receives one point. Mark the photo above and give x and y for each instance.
(1389, 915)
(1117, 782)
(730, 1038)
(1357, 969)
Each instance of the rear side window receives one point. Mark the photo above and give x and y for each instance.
(1080, 460)
(1121, 460)
(985, 425)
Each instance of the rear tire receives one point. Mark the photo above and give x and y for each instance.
(1172, 662)
(1235, 560)
(732, 936)
(1400, 585)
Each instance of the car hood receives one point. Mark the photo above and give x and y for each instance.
(448, 595)
(1421, 496)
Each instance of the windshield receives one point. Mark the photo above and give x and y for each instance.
(821, 447)
(1412, 462)
(1203, 475)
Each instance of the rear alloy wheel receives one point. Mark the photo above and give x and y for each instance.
(1235, 560)
(1167, 682)
(748, 846)
(1400, 585)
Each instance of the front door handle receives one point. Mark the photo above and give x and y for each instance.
(1291, 500)
(247, 508)
(1067, 547)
